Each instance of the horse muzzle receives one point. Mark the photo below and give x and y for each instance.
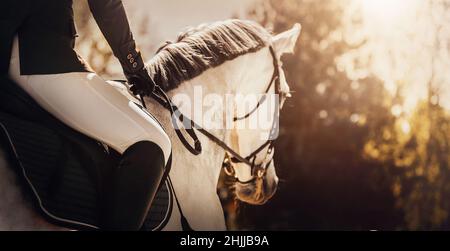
(258, 191)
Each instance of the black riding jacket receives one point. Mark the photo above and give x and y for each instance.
(46, 31)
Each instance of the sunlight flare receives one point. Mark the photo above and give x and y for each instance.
(386, 9)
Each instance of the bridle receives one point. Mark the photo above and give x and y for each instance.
(258, 170)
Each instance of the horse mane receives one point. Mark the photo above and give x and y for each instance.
(207, 46)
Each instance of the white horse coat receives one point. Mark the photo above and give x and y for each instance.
(194, 178)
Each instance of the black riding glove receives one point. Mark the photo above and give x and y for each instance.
(135, 71)
(140, 82)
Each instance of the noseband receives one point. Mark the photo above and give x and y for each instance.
(258, 170)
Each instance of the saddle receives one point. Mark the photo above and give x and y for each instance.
(64, 172)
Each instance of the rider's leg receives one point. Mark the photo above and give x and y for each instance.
(85, 102)
(142, 164)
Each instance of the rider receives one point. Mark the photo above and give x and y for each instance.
(37, 51)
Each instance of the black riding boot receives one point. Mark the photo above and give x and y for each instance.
(135, 184)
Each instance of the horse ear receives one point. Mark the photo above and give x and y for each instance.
(285, 41)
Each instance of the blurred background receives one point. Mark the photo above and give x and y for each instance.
(369, 145)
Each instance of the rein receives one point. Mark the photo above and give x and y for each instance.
(162, 98)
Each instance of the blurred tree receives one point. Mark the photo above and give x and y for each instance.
(349, 154)
(91, 43)
(415, 149)
(95, 49)
(328, 183)
(416, 154)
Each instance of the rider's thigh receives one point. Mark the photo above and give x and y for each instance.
(87, 103)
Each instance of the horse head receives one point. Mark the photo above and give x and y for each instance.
(257, 181)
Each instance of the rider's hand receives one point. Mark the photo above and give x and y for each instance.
(136, 73)
(140, 82)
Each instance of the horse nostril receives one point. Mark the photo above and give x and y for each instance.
(247, 191)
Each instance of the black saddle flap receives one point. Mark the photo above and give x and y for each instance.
(65, 171)
(61, 186)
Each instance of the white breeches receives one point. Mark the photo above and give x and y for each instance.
(88, 104)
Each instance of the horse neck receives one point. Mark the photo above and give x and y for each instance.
(245, 74)
(195, 178)
(207, 164)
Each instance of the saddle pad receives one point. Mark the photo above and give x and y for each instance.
(63, 191)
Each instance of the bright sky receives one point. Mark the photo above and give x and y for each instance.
(398, 35)
(172, 16)
(388, 22)
(167, 18)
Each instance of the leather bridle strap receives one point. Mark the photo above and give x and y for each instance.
(254, 153)
(161, 97)
(263, 98)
